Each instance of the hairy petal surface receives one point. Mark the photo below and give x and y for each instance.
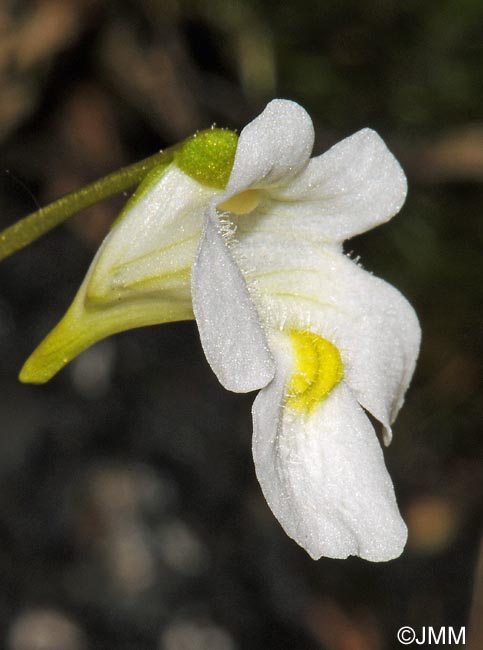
(230, 330)
(276, 145)
(353, 187)
(273, 147)
(300, 285)
(323, 473)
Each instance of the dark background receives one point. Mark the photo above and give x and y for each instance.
(130, 515)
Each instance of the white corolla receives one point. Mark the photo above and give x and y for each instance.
(258, 226)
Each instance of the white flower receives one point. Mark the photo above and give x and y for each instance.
(341, 339)
(279, 307)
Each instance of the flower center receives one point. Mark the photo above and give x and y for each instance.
(242, 203)
(318, 369)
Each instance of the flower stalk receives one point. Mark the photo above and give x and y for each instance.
(38, 223)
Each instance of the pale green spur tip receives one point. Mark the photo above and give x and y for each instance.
(83, 325)
(208, 157)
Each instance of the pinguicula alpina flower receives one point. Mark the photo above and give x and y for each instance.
(246, 236)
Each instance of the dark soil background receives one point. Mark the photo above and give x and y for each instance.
(130, 515)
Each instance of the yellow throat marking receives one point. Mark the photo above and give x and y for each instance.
(242, 203)
(318, 369)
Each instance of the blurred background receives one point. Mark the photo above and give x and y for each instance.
(130, 515)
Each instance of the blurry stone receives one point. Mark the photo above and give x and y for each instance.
(112, 493)
(191, 635)
(91, 371)
(44, 629)
(114, 504)
(433, 524)
(117, 489)
(129, 559)
(337, 630)
(180, 549)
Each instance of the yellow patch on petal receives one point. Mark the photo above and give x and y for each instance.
(318, 369)
(242, 203)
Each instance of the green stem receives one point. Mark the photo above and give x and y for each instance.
(38, 223)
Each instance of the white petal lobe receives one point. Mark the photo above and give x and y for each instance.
(324, 477)
(273, 147)
(231, 334)
(355, 186)
(375, 328)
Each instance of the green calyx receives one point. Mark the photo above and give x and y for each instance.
(208, 156)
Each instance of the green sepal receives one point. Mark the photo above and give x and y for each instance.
(208, 156)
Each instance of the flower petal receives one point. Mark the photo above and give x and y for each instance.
(323, 474)
(353, 187)
(376, 330)
(272, 148)
(153, 244)
(231, 334)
